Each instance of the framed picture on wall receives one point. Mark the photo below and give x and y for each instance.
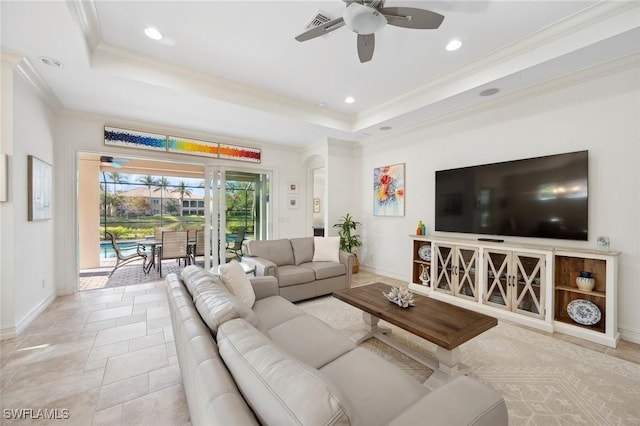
(292, 202)
(388, 190)
(40, 188)
(292, 187)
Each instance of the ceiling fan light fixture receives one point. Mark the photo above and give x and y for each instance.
(363, 19)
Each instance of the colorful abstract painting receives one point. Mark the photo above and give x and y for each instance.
(388, 190)
(240, 153)
(134, 139)
(192, 146)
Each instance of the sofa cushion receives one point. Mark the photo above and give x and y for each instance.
(274, 310)
(216, 305)
(280, 389)
(237, 281)
(311, 340)
(210, 401)
(381, 393)
(302, 249)
(277, 251)
(292, 275)
(326, 249)
(483, 406)
(324, 270)
(193, 275)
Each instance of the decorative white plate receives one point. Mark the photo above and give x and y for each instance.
(425, 253)
(584, 312)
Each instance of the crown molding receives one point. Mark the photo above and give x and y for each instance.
(595, 72)
(154, 71)
(30, 75)
(161, 73)
(599, 22)
(86, 16)
(25, 69)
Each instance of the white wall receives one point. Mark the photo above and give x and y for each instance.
(342, 190)
(601, 115)
(29, 269)
(77, 132)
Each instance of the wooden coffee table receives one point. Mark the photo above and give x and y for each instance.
(446, 325)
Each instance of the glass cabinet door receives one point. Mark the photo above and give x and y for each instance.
(528, 294)
(496, 270)
(443, 268)
(465, 266)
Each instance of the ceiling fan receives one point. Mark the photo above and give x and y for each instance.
(365, 17)
(116, 163)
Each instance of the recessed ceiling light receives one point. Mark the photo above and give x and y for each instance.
(51, 62)
(385, 128)
(321, 105)
(489, 92)
(349, 99)
(454, 45)
(153, 33)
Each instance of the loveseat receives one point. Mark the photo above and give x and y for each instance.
(291, 262)
(272, 363)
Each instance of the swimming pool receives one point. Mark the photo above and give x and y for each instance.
(126, 247)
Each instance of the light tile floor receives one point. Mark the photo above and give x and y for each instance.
(108, 357)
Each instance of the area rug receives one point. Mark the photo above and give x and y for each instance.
(545, 381)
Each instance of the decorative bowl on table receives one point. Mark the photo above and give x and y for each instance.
(400, 296)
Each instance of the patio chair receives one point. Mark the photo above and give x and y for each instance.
(121, 259)
(198, 247)
(236, 248)
(157, 231)
(175, 245)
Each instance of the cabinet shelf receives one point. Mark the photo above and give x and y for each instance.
(577, 290)
(551, 290)
(564, 318)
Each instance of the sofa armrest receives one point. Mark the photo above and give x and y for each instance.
(264, 286)
(462, 401)
(346, 259)
(263, 267)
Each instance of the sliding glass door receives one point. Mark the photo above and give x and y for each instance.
(239, 211)
(138, 198)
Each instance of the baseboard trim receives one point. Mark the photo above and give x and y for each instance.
(629, 334)
(33, 314)
(386, 273)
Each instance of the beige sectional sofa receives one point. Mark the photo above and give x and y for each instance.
(274, 364)
(290, 262)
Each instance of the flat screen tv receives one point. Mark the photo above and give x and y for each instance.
(542, 197)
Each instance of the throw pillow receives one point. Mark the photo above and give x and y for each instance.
(326, 249)
(236, 280)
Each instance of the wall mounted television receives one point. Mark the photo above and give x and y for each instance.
(542, 197)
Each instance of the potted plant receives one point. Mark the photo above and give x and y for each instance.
(349, 240)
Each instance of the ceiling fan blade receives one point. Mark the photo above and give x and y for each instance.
(322, 29)
(366, 44)
(411, 17)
